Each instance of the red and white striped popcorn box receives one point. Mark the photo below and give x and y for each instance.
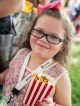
(37, 91)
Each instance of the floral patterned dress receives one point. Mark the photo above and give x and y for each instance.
(11, 80)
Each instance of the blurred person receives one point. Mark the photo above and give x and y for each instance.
(76, 22)
(74, 13)
(73, 5)
(48, 41)
(7, 8)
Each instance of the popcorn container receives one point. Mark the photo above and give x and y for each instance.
(37, 91)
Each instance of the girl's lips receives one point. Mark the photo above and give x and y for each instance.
(42, 46)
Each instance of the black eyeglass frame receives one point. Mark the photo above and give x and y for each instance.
(44, 34)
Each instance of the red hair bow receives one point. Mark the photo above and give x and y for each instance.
(54, 5)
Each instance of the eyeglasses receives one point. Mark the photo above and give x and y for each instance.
(50, 38)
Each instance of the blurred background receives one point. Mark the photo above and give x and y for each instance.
(22, 19)
(72, 8)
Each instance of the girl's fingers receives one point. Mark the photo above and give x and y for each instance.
(47, 100)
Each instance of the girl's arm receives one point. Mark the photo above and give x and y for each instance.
(63, 91)
(3, 75)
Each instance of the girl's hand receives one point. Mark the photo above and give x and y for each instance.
(46, 102)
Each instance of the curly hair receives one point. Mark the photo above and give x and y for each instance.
(62, 56)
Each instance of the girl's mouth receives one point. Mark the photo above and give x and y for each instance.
(42, 46)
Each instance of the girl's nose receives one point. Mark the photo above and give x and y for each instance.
(44, 39)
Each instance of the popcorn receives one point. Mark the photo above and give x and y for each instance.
(39, 88)
(40, 78)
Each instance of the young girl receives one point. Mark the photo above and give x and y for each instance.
(47, 41)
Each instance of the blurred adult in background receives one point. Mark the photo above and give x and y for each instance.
(7, 7)
(74, 13)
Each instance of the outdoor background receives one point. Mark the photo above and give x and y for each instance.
(74, 61)
(74, 69)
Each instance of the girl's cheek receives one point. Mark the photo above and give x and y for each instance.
(33, 39)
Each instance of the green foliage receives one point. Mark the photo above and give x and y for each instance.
(75, 74)
(76, 51)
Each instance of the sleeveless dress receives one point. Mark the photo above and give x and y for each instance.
(11, 80)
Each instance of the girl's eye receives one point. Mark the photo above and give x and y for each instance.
(53, 37)
(39, 31)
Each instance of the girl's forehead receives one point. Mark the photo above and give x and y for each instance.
(44, 20)
(50, 24)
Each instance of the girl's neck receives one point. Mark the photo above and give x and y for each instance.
(35, 61)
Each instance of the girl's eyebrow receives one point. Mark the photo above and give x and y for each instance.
(50, 33)
(54, 34)
(41, 29)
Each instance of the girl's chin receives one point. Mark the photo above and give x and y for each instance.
(41, 55)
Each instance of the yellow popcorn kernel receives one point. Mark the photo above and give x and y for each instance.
(35, 76)
(44, 79)
(40, 78)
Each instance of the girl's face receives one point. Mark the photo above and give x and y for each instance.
(40, 46)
